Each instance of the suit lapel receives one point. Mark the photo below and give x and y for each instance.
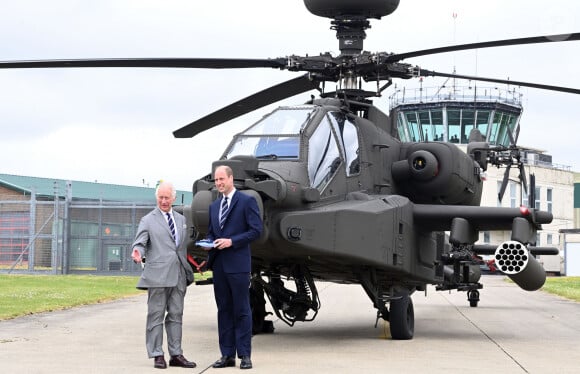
(231, 208)
(162, 221)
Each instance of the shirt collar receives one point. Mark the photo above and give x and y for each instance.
(165, 213)
(231, 194)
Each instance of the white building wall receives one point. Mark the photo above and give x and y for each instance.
(571, 254)
(562, 184)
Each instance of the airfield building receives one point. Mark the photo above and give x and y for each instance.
(58, 226)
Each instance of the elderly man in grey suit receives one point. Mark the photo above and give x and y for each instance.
(161, 241)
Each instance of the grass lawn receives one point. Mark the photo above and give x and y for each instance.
(568, 287)
(28, 294)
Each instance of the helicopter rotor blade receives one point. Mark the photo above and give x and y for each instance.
(191, 63)
(502, 81)
(512, 138)
(497, 43)
(268, 96)
(523, 179)
(532, 194)
(504, 182)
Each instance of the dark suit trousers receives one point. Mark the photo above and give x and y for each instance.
(232, 296)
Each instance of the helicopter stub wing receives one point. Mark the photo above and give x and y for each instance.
(437, 218)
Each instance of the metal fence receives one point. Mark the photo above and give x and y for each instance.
(61, 236)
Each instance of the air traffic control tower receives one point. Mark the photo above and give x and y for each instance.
(448, 113)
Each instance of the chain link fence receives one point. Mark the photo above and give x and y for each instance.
(62, 237)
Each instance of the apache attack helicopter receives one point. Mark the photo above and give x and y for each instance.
(341, 197)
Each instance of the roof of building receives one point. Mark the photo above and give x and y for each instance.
(48, 187)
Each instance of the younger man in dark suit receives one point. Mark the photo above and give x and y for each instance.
(234, 222)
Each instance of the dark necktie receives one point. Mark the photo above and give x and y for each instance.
(223, 211)
(171, 225)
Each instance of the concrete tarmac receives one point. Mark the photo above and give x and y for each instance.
(511, 331)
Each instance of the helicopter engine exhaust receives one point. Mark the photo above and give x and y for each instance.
(515, 260)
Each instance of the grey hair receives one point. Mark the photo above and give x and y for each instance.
(166, 184)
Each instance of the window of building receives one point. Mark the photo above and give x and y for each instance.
(549, 239)
(549, 200)
(486, 237)
(467, 124)
(482, 121)
(402, 129)
(437, 123)
(413, 126)
(513, 194)
(454, 125)
(538, 197)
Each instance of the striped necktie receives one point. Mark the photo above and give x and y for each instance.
(223, 211)
(171, 225)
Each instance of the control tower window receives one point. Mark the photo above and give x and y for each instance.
(437, 125)
(413, 127)
(401, 128)
(454, 121)
(482, 121)
(323, 155)
(502, 123)
(467, 124)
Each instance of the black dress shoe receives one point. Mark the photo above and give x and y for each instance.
(224, 361)
(181, 361)
(246, 363)
(159, 363)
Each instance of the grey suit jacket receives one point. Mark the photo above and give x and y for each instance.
(163, 257)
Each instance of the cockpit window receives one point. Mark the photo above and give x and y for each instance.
(276, 136)
(323, 156)
(348, 141)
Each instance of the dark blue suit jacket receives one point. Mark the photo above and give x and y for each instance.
(242, 225)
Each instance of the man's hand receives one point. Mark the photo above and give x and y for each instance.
(222, 243)
(136, 255)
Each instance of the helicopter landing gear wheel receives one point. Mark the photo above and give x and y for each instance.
(402, 318)
(473, 298)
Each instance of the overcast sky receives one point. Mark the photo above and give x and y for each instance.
(115, 125)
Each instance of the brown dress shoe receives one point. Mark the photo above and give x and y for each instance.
(159, 363)
(181, 361)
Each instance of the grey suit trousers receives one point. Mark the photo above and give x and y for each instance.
(160, 299)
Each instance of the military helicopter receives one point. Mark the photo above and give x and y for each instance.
(341, 197)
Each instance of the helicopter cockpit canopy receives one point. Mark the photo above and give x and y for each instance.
(322, 140)
(274, 137)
